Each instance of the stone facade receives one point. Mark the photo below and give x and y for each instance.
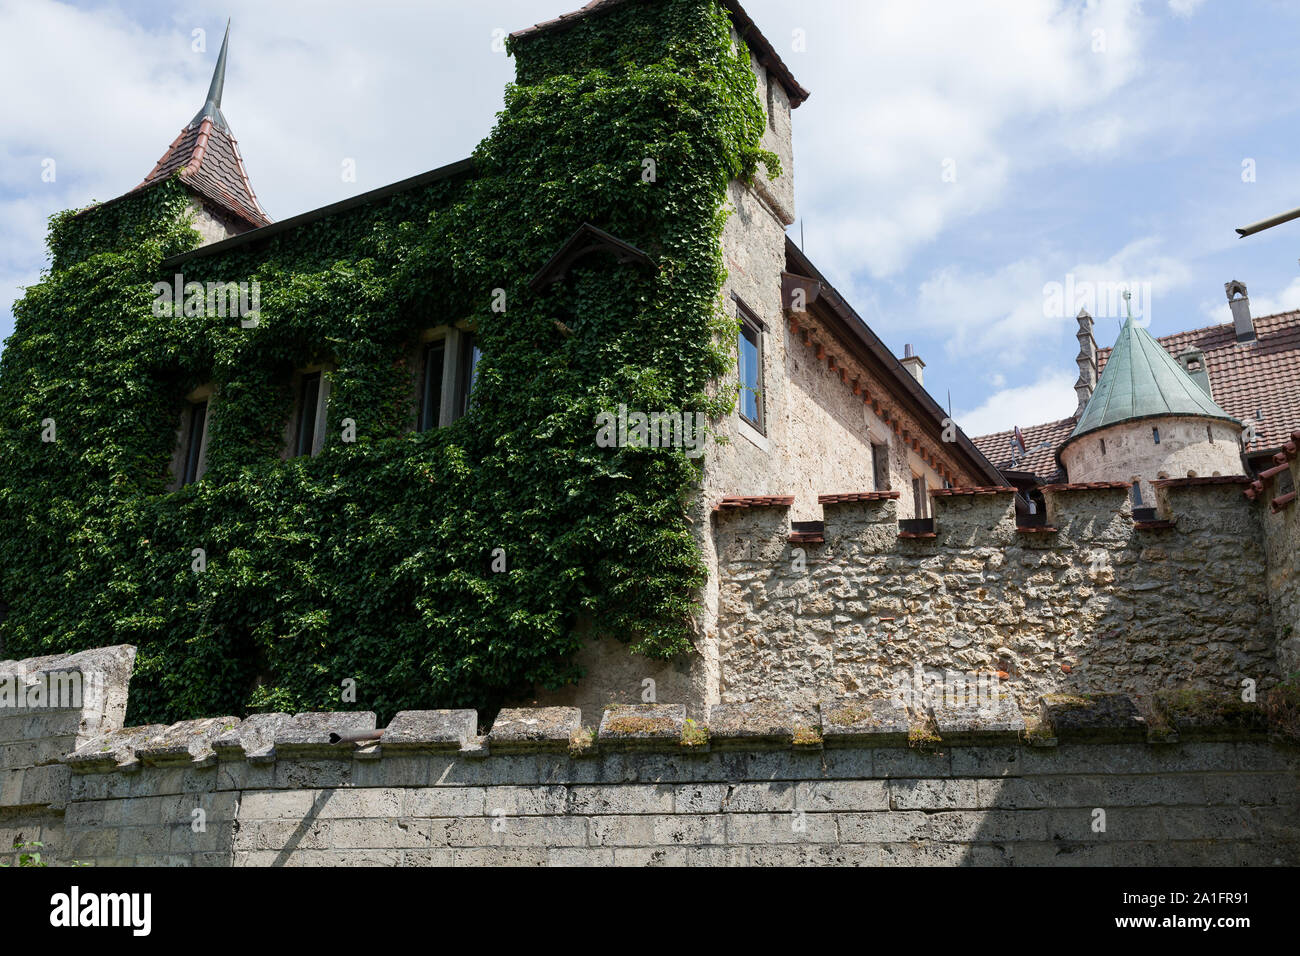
(1188, 448)
(1091, 603)
(760, 786)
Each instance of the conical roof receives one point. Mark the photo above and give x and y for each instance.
(1142, 380)
(207, 158)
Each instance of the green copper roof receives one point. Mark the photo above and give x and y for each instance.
(1142, 380)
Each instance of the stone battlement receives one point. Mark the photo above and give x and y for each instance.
(1091, 601)
(855, 782)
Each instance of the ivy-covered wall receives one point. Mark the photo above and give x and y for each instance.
(372, 561)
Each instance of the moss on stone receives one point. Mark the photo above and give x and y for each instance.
(693, 734)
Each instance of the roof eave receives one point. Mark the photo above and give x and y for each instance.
(274, 229)
(859, 330)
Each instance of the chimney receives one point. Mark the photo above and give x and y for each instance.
(912, 362)
(1240, 306)
(1087, 362)
(1193, 362)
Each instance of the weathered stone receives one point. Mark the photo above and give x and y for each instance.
(755, 724)
(430, 731)
(870, 722)
(1093, 717)
(526, 730)
(987, 720)
(643, 726)
(187, 742)
(308, 734)
(114, 750)
(253, 739)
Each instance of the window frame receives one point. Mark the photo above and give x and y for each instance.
(307, 443)
(194, 463)
(750, 321)
(429, 414)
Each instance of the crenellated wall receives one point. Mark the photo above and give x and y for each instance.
(855, 783)
(1093, 602)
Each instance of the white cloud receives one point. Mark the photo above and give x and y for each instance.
(1185, 8)
(1007, 315)
(1048, 399)
(901, 88)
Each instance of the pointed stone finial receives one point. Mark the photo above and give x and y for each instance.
(212, 107)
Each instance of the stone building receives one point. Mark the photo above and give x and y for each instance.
(1228, 395)
(1149, 420)
(825, 405)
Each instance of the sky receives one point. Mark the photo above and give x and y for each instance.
(966, 174)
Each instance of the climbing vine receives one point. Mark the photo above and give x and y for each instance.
(372, 561)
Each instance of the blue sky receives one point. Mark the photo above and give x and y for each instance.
(954, 159)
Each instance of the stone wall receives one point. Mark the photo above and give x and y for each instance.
(1282, 544)
(50, 706)
(1092, 603)
(1189, 447)
(851, 784)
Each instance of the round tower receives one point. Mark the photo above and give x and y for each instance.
(1149, 419)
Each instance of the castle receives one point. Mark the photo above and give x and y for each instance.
(870, 582)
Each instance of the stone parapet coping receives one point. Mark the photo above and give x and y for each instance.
(1089, 486)
(858, 496)
(981, 490)
(984, 717)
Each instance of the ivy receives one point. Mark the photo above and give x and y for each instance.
(372, 561)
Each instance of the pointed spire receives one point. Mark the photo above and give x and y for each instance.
(212, 108)
(207, 160)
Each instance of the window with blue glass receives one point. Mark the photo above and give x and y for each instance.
(750, 344)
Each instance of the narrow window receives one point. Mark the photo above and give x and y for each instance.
(309, 402)
(1137, 493)
(195, 433)
(919, 496)
(1209, 433)
(880, 466)
(1103, 446)
(431, 393)
(1155, 433)
(469, 358)
(750, 344)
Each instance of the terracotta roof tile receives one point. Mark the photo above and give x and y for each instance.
(858, 496)
(1039, 461)
(208, 161)
(737, 502)
(985, 490)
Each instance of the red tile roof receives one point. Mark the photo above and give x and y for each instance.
(208, 161)
(1041, 462)
(1261, 376)
(1246, 378)
(735, 502)
(858, 496)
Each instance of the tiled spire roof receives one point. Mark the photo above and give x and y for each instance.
(207, 157)
(1142, 380)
